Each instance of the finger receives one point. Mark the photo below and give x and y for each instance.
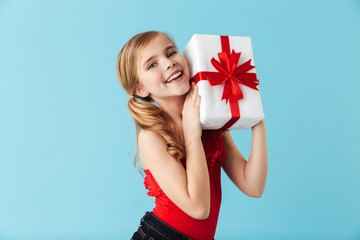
(197, 104)
(189, 93)
(195, 92)
(190, 89)
(189, 96)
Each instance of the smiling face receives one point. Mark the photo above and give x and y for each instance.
(162, 70)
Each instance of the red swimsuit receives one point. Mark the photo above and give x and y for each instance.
(167, 211)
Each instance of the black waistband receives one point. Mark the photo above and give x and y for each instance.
(162, 228)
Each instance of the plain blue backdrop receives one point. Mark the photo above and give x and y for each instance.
(67, 140)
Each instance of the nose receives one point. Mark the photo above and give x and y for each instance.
(170, 63)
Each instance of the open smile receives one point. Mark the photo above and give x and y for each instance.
(177, 75)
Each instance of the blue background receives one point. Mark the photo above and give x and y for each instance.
(67, 140)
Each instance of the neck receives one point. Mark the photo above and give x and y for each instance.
(173, 107)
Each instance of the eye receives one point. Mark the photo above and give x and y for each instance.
(152, 65)
(172, 53)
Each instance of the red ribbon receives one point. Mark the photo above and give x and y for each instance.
(231, 75)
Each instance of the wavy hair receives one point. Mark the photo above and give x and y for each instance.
(146, 114)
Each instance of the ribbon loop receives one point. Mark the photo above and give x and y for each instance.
(233, 74)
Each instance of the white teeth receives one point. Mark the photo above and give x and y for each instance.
(173, 76)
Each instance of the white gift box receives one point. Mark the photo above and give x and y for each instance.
(214, 112)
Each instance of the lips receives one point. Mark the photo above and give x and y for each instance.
(174, 75)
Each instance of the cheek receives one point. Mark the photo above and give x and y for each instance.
(153, 78)
(144, 79)
(183, 60)
(186, 69)
(185, 65)
(141, 75)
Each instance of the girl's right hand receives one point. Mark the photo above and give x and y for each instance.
(191, 115)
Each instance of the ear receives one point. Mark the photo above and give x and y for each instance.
(141, 92)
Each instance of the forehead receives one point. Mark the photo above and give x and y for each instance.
(156, 46)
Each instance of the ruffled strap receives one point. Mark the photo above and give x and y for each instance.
(214, 149)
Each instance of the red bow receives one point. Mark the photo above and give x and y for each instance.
(231, 75)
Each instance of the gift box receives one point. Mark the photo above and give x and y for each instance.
(223, 68)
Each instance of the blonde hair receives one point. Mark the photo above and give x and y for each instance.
(146, 114)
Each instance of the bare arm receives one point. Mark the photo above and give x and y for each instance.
(196, 166)
(249, 176)
(190, 189)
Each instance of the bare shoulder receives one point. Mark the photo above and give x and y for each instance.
(146, 136)
(149, 140)
(152, 148)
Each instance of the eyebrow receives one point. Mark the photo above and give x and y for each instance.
(152, 57)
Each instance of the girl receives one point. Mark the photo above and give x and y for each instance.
(182, 163)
